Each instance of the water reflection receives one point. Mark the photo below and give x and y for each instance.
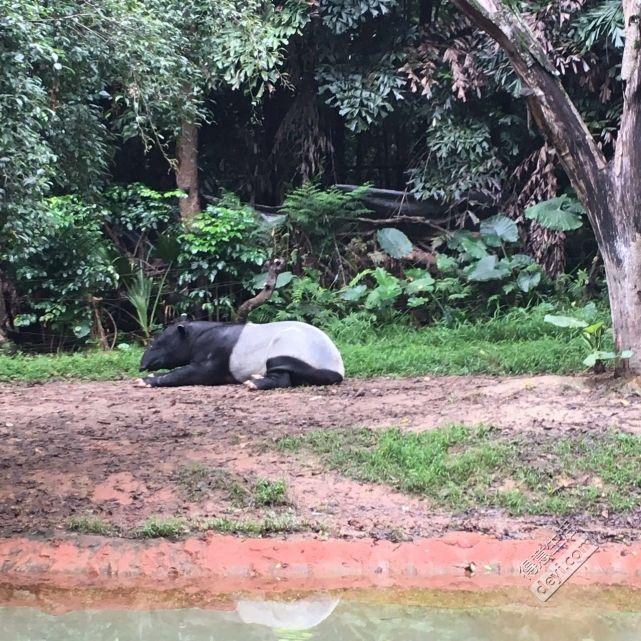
(321, 619)
(293, 615)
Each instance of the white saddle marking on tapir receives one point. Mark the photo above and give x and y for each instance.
(257, 343)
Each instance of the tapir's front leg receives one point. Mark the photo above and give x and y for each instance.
(187, 375)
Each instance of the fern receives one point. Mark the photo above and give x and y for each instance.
(313, 209)
(603, 22)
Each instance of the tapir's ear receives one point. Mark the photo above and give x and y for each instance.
(181, 326)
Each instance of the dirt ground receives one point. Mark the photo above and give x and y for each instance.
(116, 451)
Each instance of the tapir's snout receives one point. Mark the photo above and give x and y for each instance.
(146, 362)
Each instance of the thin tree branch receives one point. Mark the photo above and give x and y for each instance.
(274, 267)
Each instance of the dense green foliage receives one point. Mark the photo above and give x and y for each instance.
(123, 264)
(289, 97)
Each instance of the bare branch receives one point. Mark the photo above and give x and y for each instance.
(415, 220)
(274, 267)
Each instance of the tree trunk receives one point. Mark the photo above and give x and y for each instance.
(621, 249)
(3, 316)
(187, 170)
(5, 299)
(624, 289)
(610, 192)
(622, 262)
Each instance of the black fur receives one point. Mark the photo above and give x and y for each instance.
(300, 372)
(200, 350)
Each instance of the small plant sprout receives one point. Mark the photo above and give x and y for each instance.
(141, 295)
(594, 337)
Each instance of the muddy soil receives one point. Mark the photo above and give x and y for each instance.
(119, 452)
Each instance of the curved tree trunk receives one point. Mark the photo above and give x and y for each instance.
(610, 192)
(187, 169)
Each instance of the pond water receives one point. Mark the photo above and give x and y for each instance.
(325, 618)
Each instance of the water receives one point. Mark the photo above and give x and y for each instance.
(325, 618)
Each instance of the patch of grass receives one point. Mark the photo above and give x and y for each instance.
(174, 528)
(460, 467)
(194, 481)
(593, 472)
(437, 463)
(462, 350)
(198, 481)
(157, 527)
(268, 493)
(517, 342)
(273, 524)
(89, 365)
(89, 525)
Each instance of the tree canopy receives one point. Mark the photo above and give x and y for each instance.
(260, 97)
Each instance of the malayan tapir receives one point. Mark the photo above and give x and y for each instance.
(262, 356)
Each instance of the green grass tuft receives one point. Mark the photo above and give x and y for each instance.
(197, 481)
(157, 527)
(89, 365)
(89, 525)
(268, 493)
(273, 524)
(174, 528)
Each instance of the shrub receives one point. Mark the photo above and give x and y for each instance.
(222, 249)
(58, 257)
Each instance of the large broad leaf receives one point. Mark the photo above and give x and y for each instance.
(595, 328)
(81, 330)
(589, 311)
(558, 214)
(488, 268)
(352, 294)
(519, 261)
(527, 280)
(591, 359)
(424, 284)
(394, 242)
(465, 241)
(272, 221)
(445, 263)
(417, 301)
(388, 290)
(500, 227)
(283, 279)
(565, 321)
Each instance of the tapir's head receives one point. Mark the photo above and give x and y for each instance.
(171, 349)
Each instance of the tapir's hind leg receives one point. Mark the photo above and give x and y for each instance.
(286, 371)
(271, 380)
(301, 373)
